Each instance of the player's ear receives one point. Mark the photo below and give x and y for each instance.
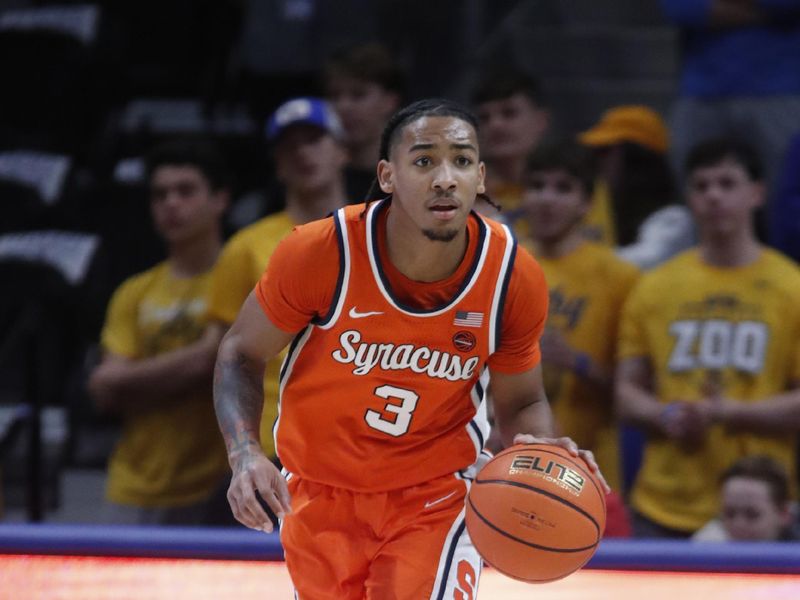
(481, 178)
(385, 176)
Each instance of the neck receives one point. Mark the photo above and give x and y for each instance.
(194, 257)
(419, 258)
(309, 205)
(556, 248)
(734, 250)
(364, 156)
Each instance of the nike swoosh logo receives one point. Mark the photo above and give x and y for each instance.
(354, 314)
(435, 502)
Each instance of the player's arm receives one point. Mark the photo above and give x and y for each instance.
(238, 399)
(523, 416)
(520, 405)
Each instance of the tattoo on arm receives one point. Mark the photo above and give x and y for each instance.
(238, 401)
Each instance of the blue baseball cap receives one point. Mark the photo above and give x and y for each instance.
(304, 111)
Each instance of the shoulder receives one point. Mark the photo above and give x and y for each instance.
(308, 244)
(657, 286)
(782, 274)
(268, 228)
(609, 263)
(141, 282)
(781, 265)
(676, 268)
(527, 275)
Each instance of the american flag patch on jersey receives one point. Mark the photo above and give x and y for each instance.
(468, 318)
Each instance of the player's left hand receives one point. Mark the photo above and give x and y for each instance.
(571, 447)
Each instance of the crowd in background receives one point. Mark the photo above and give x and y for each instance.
(672, 347)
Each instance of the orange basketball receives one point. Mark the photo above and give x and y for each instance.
(536, 513)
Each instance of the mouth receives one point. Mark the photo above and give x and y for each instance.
(444, 210)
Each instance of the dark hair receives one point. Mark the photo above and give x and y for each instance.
(762, 468)
(200, 154)
(711, 152)
(501, 83)
(368, 62)
(645, 185)
(431, 107)
(569, 156)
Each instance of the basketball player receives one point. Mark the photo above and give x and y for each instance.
(710, 350)
(396, 312)
(588, 285)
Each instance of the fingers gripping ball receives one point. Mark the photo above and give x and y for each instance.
(536, 513)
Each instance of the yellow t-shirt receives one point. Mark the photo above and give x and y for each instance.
(598, 224)
(738, 328)
(172, 455)
(587, 288)
(241, 264)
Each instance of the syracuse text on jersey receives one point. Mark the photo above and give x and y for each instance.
(365, 356)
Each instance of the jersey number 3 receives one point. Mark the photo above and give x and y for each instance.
(395, 418)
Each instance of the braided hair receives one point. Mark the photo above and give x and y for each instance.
(431, 107)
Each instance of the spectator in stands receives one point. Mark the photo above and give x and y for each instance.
(365, 85)
(305, 134)
(630, 143)
(710, 350)
(513, 121)
(155, 374)
(740, 74)
(588, 285)
(754, 504)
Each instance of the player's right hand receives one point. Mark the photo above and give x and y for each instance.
(254, 473)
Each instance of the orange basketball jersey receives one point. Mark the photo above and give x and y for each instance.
(377, 395)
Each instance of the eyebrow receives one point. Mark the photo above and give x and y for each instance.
(416, 147)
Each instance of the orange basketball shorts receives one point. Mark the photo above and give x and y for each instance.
(400, 545)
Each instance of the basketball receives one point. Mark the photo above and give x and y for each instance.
(536, 513)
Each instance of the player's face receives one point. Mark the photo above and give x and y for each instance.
(183, 205)
(723, 197)
(554, 203)
(308, 159)
(748, 512)
(511, 127)
(434, 174)
(363, 107)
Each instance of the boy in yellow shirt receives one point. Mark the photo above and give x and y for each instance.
(155, 373)
(588, 285)
(710, 350)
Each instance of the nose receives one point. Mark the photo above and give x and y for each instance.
(171, 197)
(444, 179)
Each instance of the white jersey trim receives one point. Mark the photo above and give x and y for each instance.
(345, 258)
(286, 373)
(498, 290)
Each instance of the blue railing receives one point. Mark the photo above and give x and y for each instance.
(242, 544)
